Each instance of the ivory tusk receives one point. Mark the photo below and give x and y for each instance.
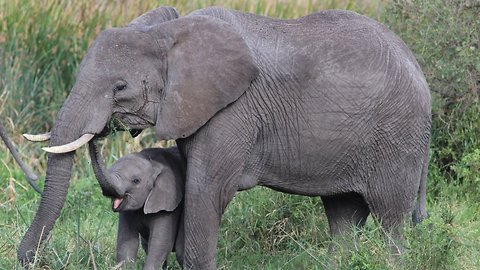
(38, 137)
(69, 147)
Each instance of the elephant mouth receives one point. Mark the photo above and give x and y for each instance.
(116, 124)
(118, 204)
(127, 121)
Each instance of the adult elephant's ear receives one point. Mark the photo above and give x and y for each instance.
(154, 16)
(209, 66)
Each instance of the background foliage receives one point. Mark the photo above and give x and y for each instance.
(42, 43)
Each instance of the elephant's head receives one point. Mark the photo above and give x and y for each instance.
(152, 179)
(163, 71)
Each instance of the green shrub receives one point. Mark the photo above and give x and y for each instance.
(468, 169)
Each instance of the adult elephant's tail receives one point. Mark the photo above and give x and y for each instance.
(420, 211)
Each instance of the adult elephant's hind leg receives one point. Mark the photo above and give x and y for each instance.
(391, 198)
(345, 211)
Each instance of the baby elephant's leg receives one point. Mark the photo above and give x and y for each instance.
(127, 239)
(161, 240)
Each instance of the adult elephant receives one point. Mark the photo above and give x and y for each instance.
(332, 105)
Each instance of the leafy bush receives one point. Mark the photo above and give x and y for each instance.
(445, 37)
(468, 169)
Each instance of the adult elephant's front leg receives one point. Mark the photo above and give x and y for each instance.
(206, 196)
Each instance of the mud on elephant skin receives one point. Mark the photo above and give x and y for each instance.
(146, 189)
(332, 104)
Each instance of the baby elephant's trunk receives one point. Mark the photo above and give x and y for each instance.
(101, 173)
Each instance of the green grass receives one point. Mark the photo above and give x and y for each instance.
(41, 45)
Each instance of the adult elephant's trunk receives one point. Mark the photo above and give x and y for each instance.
(108, 189)
(59, 168)
(74, 119)
(53, 197)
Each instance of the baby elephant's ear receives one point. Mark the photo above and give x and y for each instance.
(166, 193)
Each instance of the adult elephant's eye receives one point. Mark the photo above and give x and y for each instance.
(136, 181)
(121, 85)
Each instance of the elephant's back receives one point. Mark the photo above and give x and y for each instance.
(337, 67)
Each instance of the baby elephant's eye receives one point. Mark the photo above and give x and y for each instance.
(136, 181)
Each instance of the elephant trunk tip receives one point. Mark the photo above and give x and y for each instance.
(25, 254)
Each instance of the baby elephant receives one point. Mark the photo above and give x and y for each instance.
(149, 187)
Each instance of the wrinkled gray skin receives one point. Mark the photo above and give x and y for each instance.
(29, 174)
(150, 184)
(332, 105)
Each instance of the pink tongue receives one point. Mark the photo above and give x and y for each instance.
(117, 202)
